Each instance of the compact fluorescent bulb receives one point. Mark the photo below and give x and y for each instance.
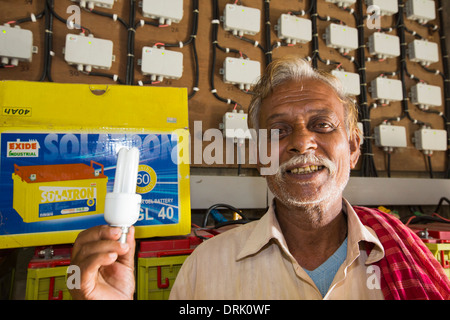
(122, 206)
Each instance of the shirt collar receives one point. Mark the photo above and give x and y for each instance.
(267, 229)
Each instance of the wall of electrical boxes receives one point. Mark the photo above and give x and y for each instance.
(390, 54)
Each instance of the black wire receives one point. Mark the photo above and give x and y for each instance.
(388, 164)
(403, 48)
(129, 80)
(315, 40)
(192, 41)
(48, 41)
(440, 203)
(430, 168)
(222, 205)
(109, 15)
(215, 46)
(58, 17)
(367, 162)
(268, 50)
(446, 69)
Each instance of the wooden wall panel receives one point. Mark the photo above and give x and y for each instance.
(203, 106)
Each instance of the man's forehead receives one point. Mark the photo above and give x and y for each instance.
(305, 91)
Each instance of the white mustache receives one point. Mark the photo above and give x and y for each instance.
(308, 158)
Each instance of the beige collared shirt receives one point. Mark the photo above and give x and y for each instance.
(253, 262)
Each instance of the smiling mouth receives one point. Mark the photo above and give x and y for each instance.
(305, 170)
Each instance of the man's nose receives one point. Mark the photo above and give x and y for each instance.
(302, 141)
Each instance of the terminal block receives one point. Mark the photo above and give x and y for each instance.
(387, 7)
(425, 96)
(16, 45)
(386, 90)
(166, 11)
(160, 63)
(342, 3)
(90, 4)
(87, 52)
(424, 52)
(384, 45)
(235, 126)
(241, 20)
(420, 10)
(343, 38)
(350, 81)
(242, 72)
(388, 137)
(294, 29)
(428, 140)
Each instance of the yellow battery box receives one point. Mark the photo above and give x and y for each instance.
(57, 191)
(58, 158)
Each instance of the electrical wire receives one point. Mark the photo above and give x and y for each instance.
(446, 69)
(48, 42)
(368, 168)
(215, 46)
(441, 200)
(191, 40)
(430, 168)
(222, 205)
(129, 80)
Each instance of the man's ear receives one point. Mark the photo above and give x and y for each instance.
(355, 151)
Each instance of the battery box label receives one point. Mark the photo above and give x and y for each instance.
(58, 181)
(61, 200)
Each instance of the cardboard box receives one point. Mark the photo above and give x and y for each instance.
(58, 145)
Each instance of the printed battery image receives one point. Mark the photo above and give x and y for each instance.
(48, 192)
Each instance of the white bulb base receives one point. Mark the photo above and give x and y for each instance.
(122, 209)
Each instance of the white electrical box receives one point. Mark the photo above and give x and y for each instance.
(160, 63)
(166, 11)
(342, 37)
(90, 4)
(430, 139)
(16, 45)
(342, 3)
(390, 136)
(241, 20)
(384, 45)
(425, 95)
(294, 29)
(243, 72)
(387, 7)
(420, 10)
(386, 90)
(235, 125)
(350, 81)
(88, 52)
(424, 52)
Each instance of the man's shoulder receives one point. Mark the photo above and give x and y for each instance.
(231, 240)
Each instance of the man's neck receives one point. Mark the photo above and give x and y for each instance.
(312, 233)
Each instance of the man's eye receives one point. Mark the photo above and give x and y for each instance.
(278, 132)
(325, 126)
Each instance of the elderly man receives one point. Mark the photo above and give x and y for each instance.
(311, 243)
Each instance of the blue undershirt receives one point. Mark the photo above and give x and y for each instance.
(324, 274)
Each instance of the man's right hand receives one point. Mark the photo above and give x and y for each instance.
(106, 266)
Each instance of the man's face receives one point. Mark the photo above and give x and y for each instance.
(315, 152)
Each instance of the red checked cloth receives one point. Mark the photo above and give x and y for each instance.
(408, 271)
